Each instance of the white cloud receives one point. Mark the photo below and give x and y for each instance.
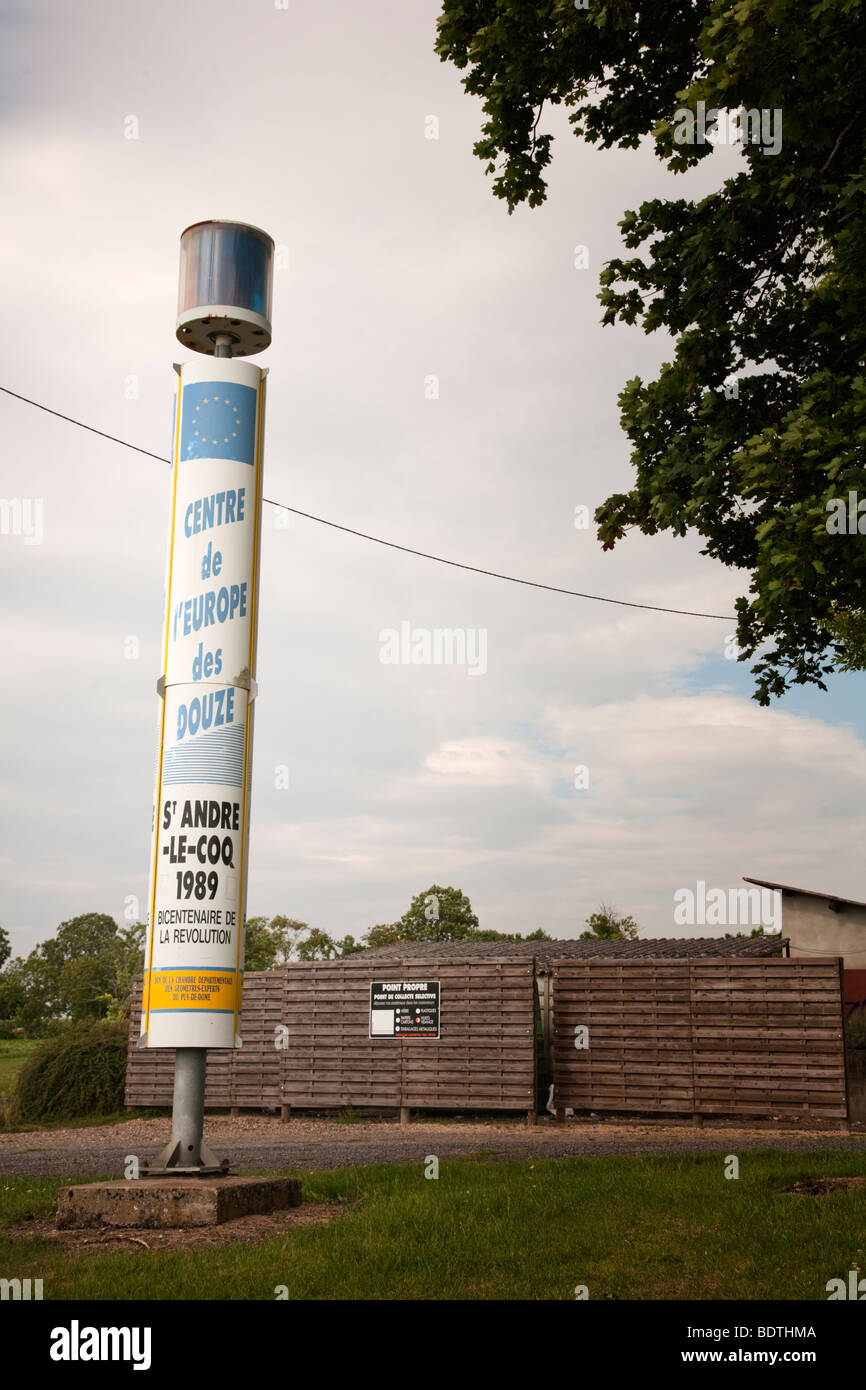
(484, 762)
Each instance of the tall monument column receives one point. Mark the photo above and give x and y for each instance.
(195, 948)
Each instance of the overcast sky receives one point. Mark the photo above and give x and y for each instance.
(312, 123)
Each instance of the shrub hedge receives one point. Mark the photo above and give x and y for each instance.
(81, 1072)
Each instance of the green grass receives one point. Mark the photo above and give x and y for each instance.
(13, 1054)
(628, 1228)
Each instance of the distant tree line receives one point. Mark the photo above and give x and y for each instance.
(85, 971)
(438, 914)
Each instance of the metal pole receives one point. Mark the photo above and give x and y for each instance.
(187, 1110)
(186, 1151)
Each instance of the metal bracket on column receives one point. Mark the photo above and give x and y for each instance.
(244, 681)
(169, 1164)
(186, 1154)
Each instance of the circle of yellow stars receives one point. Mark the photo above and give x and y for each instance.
(204, 401)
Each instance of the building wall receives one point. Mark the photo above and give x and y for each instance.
(813, 929)
(855, 992)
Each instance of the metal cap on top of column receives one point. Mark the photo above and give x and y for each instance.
(194, 961)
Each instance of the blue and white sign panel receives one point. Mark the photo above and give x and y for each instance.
(194, 963)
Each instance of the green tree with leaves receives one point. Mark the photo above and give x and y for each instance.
(317, 945)
(87, 965)
(609, 925)
(439, 914)
(349, 946)
(271, 943)
(128, 958)
(489, 934)
(756, 931)
(384, 934)
(758, 422)
(21, 1004)
(84, 972)
(5, 947)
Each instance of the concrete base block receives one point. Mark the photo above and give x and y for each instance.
(173, 1202)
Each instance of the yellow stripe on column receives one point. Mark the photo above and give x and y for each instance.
(183, 990)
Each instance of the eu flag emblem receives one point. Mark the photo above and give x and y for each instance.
(218, 421)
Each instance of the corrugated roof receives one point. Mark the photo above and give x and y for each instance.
(658, 947)
(804, 892)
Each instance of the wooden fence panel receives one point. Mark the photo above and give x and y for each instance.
(331, 1060)
(255, 1070)
(484, 1057)
(637, 1016)
(767, 1038)
(727, 1036)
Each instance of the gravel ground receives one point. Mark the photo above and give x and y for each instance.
(263, 1142)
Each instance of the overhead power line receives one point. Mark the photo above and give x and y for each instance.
(392, 545)
(81, 425)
